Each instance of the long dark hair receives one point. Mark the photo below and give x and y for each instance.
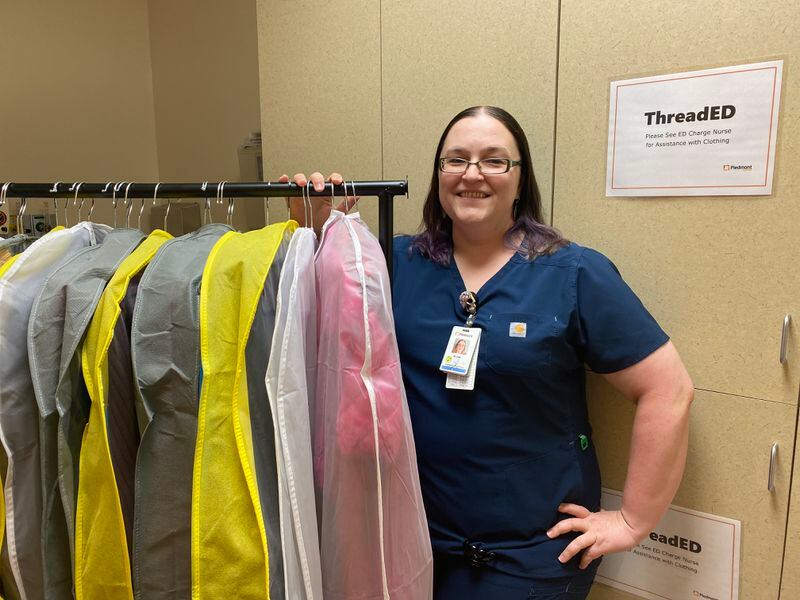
(528, 235)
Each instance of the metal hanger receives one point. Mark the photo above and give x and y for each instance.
(155, 197)
(128, 206)
(23, 206)
(77, 187)
(54, 190)
(117, 188)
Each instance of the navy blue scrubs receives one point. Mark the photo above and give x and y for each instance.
(495, 462)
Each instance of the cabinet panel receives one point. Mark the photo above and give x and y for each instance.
(717, 272)
(726, 470)
(790, 581)
(442, 57)
(319, 67)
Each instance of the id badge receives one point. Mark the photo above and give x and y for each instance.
(461, 348)
(464, 382)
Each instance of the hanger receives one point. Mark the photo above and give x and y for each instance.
(54, 190)
(128, 205)
(309, 210)
(117, 187)
(207, 210)
(77, 187)
(139, 217)
(166, 213)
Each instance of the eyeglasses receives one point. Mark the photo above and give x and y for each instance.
(487, 166)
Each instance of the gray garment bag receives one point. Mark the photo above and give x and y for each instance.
(62, 315)
(257, 354)
(165, 352)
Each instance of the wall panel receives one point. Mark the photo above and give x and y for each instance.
(442, 57)
(716, 271)
(77, 95)
(205, 86)
(321, 90)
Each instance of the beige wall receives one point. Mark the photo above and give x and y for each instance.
(205, 82)
(366, 86)
(77, 98)
(718, 273)
(136, 91)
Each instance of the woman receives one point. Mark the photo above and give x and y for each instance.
(508, 470)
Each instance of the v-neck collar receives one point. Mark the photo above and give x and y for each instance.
(489, 284)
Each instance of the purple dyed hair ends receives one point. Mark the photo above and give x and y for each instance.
(535, 238)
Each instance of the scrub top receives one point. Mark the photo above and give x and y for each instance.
(496, 461)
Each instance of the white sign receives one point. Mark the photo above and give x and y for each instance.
(701, 133)
(689, 555)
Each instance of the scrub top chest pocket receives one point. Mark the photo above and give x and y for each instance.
(519, 343)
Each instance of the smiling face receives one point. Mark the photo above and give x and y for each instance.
(472, 200)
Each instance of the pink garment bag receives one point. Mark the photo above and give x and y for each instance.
(373, 533)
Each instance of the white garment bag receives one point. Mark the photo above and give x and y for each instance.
(291, 380)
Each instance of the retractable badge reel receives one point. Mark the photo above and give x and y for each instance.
(461, 354)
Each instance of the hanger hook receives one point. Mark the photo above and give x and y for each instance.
(117, 188)
(310, 206)
(155, 197)
(4, 192)
(166, 214)
(207, 216)
(139, 217)
(128, 205)
(305, 205)
(91, 210)
(23, 205)
(77, 187)
(353, 188)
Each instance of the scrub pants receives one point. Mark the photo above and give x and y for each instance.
(455, 579)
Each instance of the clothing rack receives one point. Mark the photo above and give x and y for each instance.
(384, 190)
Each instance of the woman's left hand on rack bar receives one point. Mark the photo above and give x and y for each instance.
(321, 205)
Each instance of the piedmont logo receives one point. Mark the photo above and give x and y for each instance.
(737, 167)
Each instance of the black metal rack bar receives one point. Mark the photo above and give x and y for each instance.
(384, 190)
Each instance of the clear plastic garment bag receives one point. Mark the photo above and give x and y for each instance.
(373, 533)
(291, 381)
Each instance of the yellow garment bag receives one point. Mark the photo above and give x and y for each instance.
(102, 564)
(229, 545)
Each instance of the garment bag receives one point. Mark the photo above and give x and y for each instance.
(229, 546)
(291, 381)
(165, 351)
(373, 533)
(102, 567)
(75, 289)
(19, 416)
(257, 357)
